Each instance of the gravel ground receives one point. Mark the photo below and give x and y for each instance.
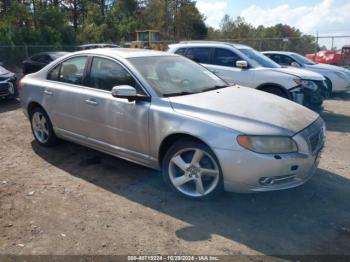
(73, 200)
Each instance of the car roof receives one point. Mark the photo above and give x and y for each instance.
(124, 52)
(278, 52)
(210, 44)
(99, 44)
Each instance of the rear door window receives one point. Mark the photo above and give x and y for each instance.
(54, 73)
(199, 54)
(72, 70)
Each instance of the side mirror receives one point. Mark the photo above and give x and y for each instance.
(295, 64)
(124, 91)
(242, 64)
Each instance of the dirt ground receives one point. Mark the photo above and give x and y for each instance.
(73, 200)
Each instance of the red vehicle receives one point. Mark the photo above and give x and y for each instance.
(339, 58)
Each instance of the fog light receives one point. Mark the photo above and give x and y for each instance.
(266, 181)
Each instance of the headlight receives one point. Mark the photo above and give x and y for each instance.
(306, 84)
(268, 144)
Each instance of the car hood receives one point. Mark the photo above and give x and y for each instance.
(301, 73)
(246, 110)
(328, 67)
(5, 73)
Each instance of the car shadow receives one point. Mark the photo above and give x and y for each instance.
(309, 219)
(9, 105)
(336, 122)
(340, 96)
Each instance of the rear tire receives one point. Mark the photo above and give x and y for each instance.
(192, 170)
(42, 128)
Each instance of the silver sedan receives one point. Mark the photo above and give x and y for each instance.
(167, 112)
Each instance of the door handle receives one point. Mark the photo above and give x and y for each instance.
(91, 102)
(48, 92)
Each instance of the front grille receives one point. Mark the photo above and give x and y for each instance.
(314, 134)
(4, 89)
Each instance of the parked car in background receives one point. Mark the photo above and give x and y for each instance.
(39, 60)
(94, 46)
(8, 86)
(242, 65)
(167, 112)
(337, 78)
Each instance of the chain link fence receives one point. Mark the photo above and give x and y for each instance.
(12, 56)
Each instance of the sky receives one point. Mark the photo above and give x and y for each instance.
(327, 17)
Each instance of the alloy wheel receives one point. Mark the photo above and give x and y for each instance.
(194, 172)
(40, 127)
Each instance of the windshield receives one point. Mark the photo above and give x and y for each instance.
(302, 60)
(257, 59)
(176, 75)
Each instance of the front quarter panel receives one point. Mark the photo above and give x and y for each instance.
(265, 76)
(338, 84)
(164, 121)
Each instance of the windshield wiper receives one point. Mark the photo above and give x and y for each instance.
(214, 88)
(183, 93)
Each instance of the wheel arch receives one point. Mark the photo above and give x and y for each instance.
(265, 85)
(169, 140)
(32, 105)
(328, 80)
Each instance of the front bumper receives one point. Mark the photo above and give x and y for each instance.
(246, 172)
(7, 88)
(310, 98)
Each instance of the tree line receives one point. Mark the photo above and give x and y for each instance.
(68, 22)
(72, 22)
(277, 37)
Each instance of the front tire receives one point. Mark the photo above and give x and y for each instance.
(42, 128)
(192, 170)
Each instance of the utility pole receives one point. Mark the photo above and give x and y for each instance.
(316, 45)
(175, 18)
(166, 20)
